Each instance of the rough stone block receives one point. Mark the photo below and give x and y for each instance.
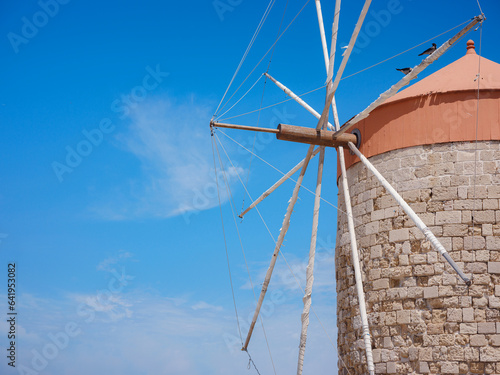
(454, 315)
(493, 267)
(492, 242)
(403, 260)
(494, 302)
(478, 340)
(431, 292)
(376, 252)
(391, 367)
(468, 328)
(468, 314)
(435, 328)
(489, 354)
(425, 354)
(403, 316)
(482, 256)
(398, 235)
(483, 217)
(381, 368)
(449, 368)
(493, 191)
(371, 228)
(380, 284)
(423, 367)
(486, 327)
(444, 193)
(423, 270)
(448, 217)
(487, 230)
(479, 243)
(418, 259)
(490, 204)
(377, 215)
(455, 230)
(495, 340)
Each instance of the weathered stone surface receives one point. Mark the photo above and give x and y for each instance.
(489, 354)
(468, 328)
(486, 327)
(493, 267)
(423, 318)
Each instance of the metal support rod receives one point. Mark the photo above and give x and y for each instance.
(279, 242)
(277, 184)
(418, 222)
(310, 266)
(407, 78)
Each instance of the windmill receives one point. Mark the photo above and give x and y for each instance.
(327, 134)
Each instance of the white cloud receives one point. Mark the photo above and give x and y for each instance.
(202, 305)
(172, 141)
(106, 264)
(164, 335)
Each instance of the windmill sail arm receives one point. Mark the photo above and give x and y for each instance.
(407, 78)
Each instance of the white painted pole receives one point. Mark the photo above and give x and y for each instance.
(277, 184)
(291, 94)
(407, 78)
(279, 242)
(350, 220)
(355, 257)
(333, 44)
(322, 32)
(332, 87)
(310, 266)
(314, 234)
(408, 210)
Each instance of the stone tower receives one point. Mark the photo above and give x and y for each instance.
(423, 318)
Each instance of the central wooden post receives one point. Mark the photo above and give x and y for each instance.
(299, 134)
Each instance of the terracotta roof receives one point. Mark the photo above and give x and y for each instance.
(457, 76)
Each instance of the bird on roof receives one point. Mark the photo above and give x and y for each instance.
(405, 70)
(430, 50)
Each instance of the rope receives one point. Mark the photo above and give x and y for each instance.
(418, 45)
(351, 75)
(269, 106)
(254, 37)
(290, 178)
(263, 57)
(479, 5)
(283, 256)
(477, 130)
(250, 361)
(261, 321)
(245, 94)
(225, 244)
(262, 100)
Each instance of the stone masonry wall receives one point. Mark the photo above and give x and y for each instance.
(423, 318)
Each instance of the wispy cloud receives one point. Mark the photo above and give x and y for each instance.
(106, 264)
(202, 305)
(171, 139)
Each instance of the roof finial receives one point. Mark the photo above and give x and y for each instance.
(471, 49)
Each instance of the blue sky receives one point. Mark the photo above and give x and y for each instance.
(108, 197)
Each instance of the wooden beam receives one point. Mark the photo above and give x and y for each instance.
(312, 136)
(299, 134)
(243, 127)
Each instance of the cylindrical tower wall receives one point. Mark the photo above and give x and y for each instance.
(423, 318)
